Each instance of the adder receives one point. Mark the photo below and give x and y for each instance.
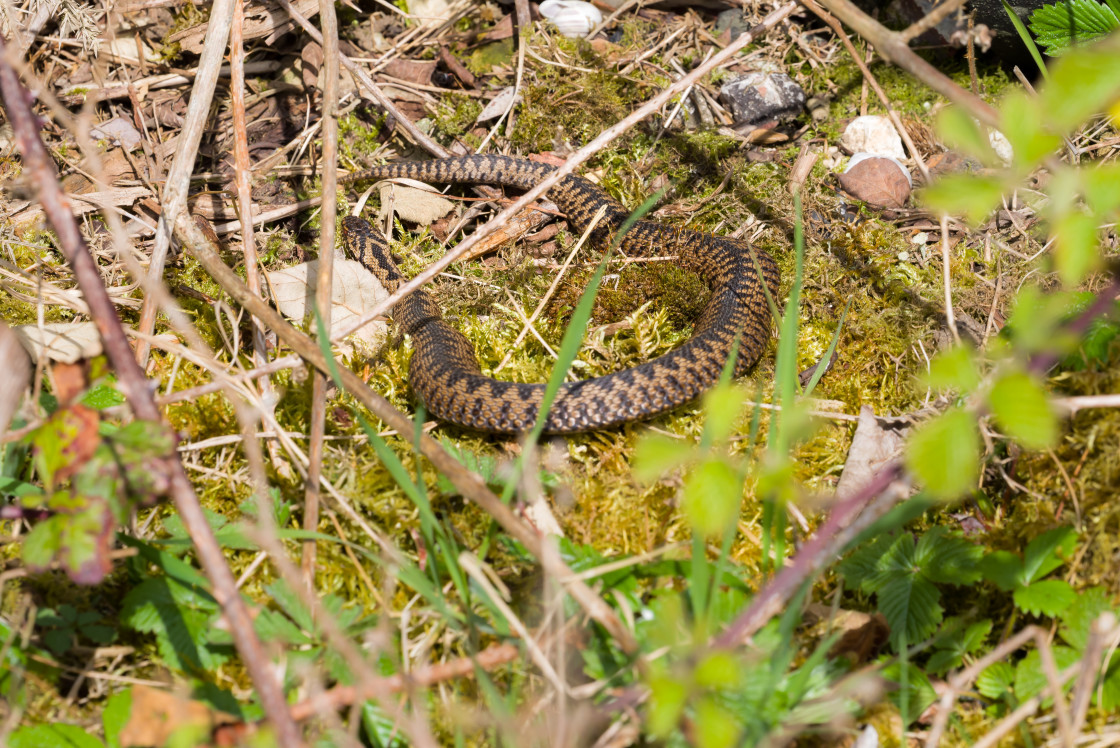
(445, 372)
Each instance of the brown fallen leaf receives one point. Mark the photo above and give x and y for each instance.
(156, 714)
(879, 182)
(413, 71)
(15, 372)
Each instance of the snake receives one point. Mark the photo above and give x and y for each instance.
(444, 370)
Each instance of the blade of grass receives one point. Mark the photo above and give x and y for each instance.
(822, 367)
(1028, 40)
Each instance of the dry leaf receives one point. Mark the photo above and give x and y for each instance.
(497, 106)
(872, 447)
(413, 71)
(15, 373)
(66, 342)
(879, 182)
(413, 204)
(261, 19)
(354, 292)
(156, 714)
(119, 131)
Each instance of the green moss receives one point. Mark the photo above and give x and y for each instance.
(456, 114)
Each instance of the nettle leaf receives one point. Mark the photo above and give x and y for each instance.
(960, 130)
(712, 495)
(1050, 597)
(1059, 27)
(1076, 252)
(1047, 552)
(1079, 616)
(996, 680)
(954, 369)
(972, 196)
(180, 616)
(1030, 678)
(1022, 410)
(1023, 124)
(945, 453)
(1082, 83)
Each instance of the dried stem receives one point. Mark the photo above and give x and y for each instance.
(177, 186)
(134, 385)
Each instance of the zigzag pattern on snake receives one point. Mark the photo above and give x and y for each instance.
(445, 372)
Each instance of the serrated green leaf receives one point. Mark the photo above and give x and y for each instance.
(1047, 552)
(945, 454)
(1049, 597)
(1076, 249)
(972, 196)
(722, 406)
(996, 680)
(1084, 82)
(861, 568)
(655, 455)
(1079, 617)
(1060, 26)
(919, 691)
(948, 559)
(1003, 568)
(1023, 124)
(912, 608)
(1030, 678)
(1023, 411)
(954, 369)
(961, 131)
(712, 495)
(102, 396)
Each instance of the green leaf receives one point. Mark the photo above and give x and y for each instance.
(1023, 124)
(381, 730)
(102, 396)
(712, 495)
(961, 131)
(1078, 618)
(115, 716)
(1030, 678)
(1060, 26)
(655, 455)
(1004, 569)
(995, 681)
(948, 559)
(972, 196)
(919, 691)
(1023, 412)
(1076, 249)
(945, 454)
(715, 726)
(722, 406)
(719, 669)
(1083, 83)
(1028, 42)
(667, 700)
(1050, 597)
(912, 608)
(954, 369)
(1047, 552)
(53, 736)
(1101, 187)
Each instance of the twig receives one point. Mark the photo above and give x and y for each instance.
(174, 198)
(464, 667)
(134, 385)
(323, 282)
(567, 168)
(931, 19)
(203, 248)
(947, 279)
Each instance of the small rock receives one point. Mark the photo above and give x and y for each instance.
(756, 97)
(1001, 146)
(879, 182)
(873, 134)
(733, 22)
(574, 18)
(818, 108)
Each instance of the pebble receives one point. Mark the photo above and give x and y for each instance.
(873, 134)
(759, 97)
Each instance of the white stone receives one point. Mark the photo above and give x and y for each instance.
(873, 134)
(574, 18)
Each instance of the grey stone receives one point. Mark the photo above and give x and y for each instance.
(760, 97)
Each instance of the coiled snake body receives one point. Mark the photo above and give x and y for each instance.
(445, 371)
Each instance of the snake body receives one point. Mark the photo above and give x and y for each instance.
(445, 372)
